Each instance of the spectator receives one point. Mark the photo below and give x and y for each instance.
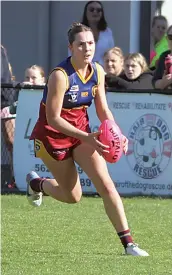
(34, 75)
(162, 79)
(136, 74)
(94, 18)
(113, 64)
(5, 71)
(114, 61)
(8, 96)
(159, 39)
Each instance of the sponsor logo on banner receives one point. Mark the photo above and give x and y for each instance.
(150, 146)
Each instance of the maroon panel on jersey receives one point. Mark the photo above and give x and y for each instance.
(48, 135)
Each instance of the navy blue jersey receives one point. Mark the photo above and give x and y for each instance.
(80, 92)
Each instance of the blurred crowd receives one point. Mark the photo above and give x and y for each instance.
(122, 72)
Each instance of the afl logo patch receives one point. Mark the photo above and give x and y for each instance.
(94, 90)
(150, 146)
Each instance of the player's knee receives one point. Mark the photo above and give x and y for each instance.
(107, 189)
(73, 197)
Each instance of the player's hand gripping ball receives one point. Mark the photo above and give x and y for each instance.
(111, 135)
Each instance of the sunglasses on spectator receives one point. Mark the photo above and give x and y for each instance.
(98, 10)
(169, 36)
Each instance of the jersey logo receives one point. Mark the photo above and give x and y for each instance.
(94, 90)
(73, 97)
(84, 94)
(74, 88)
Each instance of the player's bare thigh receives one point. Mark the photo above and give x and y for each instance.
(65, 174)
(95, 167)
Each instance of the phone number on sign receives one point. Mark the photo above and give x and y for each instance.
(41, 167)
(84, 182)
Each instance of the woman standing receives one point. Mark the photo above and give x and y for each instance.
(94, 18)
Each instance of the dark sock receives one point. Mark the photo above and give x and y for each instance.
(125, 237)
(36, 184)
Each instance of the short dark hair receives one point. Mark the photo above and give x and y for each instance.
(158, 17)
(76, 28)
(102, 24)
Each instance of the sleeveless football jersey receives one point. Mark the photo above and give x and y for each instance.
(80, 91)
(78, 96)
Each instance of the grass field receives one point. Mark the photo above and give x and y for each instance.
(61, 239)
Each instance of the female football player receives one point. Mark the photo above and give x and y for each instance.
(62, 135)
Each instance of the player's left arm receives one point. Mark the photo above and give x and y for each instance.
(102, 108)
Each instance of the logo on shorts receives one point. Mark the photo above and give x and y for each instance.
(37, 145)
(60, 151)
(150, 146)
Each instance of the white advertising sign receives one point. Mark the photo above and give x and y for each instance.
(23, 155)
(145, 119)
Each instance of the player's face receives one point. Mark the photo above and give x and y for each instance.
(83, 47)
(113, 63)
(34, 77)
(132, 69)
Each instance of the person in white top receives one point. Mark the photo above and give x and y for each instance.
(93, 17)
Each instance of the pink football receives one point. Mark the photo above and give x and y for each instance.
(111, 135)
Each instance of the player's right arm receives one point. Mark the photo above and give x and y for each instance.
(57, 86)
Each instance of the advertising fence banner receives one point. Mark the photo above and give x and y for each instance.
(146, 119)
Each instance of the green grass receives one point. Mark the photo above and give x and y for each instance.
(61, 239)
